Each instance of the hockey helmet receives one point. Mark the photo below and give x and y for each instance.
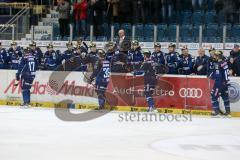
(172, 45)
(157, 44)
(13, 43)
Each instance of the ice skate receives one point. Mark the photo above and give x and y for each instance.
(216, 114)
(227, 115)
(25, 106)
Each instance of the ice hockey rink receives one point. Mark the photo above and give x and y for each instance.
(37, 134)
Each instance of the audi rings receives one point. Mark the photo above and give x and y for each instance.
(190, 93)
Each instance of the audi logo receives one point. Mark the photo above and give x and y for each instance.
(190, 93)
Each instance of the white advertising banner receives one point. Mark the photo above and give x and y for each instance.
(56, 87)
(72, 88)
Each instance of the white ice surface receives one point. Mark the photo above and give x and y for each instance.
(37, 134)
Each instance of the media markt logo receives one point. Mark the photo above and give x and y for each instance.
(52, 88)
(234, 92)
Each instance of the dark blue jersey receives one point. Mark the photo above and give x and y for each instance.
(186, 65)
(51, 60)
(158, 58)
(109, 56)
(77, 63)
(160, 61)
(91, 58)
(28, 66)
(148, 68)
(4, 58)
(84, 48)
(68, 54)
(101, 72)
(15, 57)
(119, 62)
(172, 62)
(210, 66)
(220, 73)
(37, 53)
(201, 64)
(135, 59)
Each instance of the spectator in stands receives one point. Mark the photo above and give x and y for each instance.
(64, 10)
(186, 5)
(122, 37)
(156, 4)
(80, 16)
(229, 9)
(167, 9)
(83, 17)
(198, 4)
(125, 9)
(96, 12)
(211, 4)
(178, 6)
(112, 11)
(138, 11)
(201, 63)
(232, 60)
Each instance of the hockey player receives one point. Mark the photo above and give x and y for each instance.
(211, 61)
(26, 73)
(150, 80)
(201, 63)
(135, 56)
(186, 62)
(82, 45)
(119, 62)
(76, 63)
(36, 51)
(101, 74)
(159, 58)
(4, 57)
(111, 49)
(51, 58)
(15, 55)
(234, 55)
(69, 52)
(91, 57)
(172, 59)
(220, 73)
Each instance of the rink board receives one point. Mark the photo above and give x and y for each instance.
(173, 94)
